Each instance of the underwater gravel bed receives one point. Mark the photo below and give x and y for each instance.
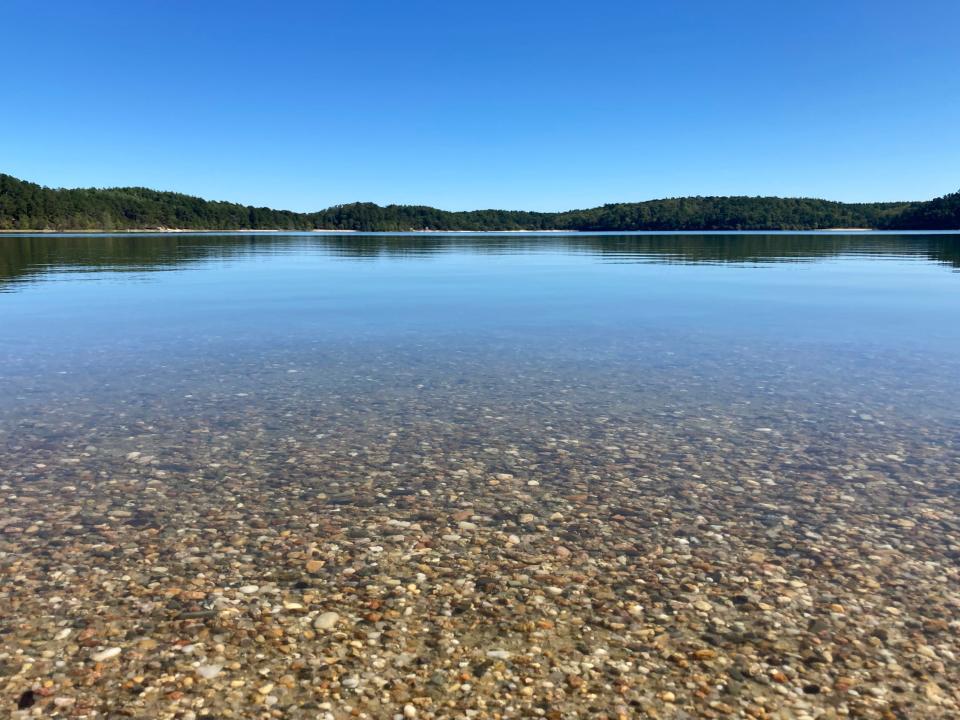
(420, 530)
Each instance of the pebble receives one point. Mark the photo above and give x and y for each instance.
(107, 654)
(326, 621)
(209, 671)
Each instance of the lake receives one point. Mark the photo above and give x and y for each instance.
(559, 475)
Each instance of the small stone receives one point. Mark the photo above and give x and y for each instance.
(27, 699)
(208, 672)
(325, 621)
(107, 654)
(409, 711)
(249, 589)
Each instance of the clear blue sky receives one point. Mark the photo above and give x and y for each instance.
(542, 105)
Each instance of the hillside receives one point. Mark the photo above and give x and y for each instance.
(28, 206)
(943, 213)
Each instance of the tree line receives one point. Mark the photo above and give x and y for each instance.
(28, 206)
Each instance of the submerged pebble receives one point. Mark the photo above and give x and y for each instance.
(326, 620)
(105, 655)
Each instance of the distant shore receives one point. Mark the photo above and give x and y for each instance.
(142, 210)
(276, 231)
(156, 231)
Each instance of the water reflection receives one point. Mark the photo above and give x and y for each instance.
(29, 257)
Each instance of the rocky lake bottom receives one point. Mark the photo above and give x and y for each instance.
(459, 518)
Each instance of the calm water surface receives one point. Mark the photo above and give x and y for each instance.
(636, 321)
(828, 339)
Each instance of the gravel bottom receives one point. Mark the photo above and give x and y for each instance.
(487, 536)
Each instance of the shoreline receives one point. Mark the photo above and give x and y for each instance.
(325, 231)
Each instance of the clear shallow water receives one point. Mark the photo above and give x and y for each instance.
(765, 425)
(756, 329)
(715, 310)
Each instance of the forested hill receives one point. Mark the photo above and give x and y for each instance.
(943, 213)
(28, 206)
